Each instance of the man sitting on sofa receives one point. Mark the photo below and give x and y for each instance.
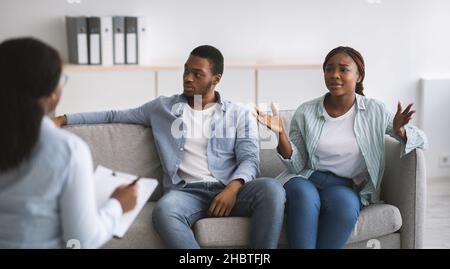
(209, 152)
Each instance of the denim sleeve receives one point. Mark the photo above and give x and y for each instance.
(299, 156)
(415, 138)
(247, 148)
(139, 115)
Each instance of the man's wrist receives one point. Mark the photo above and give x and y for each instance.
(235, 184)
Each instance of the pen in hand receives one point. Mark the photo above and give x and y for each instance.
(135, 181)
(132, 183)
(126, 194)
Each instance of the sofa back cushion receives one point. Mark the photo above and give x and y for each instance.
(270, 164)
(122, 147)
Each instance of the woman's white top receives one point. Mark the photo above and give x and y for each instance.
(337, 150)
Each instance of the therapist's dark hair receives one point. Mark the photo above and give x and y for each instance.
(29, 70)
(357, 57)
(213, 55)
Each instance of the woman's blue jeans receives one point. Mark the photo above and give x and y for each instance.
(321, 211)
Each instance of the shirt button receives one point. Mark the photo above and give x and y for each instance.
(181, 149)
(176, 166)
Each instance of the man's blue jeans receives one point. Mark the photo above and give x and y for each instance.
(321, 211)
(177, 211)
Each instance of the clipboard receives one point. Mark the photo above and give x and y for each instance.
(107, 180)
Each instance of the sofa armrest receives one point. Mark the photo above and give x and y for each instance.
(404, 186)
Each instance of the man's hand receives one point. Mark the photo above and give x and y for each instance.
(402, 118)
(60, 120)
(223, 203)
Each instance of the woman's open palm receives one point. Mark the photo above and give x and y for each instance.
(273, 122)
(402, 118)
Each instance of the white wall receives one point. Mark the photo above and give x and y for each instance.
(401, 40)
(105, 91)
(436, 123)
(291, 87)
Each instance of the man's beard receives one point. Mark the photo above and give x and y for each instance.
(202, 92)
(208, 88)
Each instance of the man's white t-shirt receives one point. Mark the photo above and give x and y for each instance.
(194, 166)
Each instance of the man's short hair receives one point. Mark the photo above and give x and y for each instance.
(213, 55)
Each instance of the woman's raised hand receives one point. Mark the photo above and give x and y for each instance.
(402, 118)
(272, 120)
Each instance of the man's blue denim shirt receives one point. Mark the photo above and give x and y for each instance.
(232, 151)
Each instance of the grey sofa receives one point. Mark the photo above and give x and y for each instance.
(398, 223)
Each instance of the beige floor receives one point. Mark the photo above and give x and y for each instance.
(437, 220)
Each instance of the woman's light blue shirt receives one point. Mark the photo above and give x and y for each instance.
(50, 198)
(373, 120)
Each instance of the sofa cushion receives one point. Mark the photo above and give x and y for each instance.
(374, 221)
(222, 232)
(270, 164)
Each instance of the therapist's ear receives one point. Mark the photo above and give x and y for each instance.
(49, 103)
(54, 98)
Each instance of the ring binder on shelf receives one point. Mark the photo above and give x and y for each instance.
(131, 41)
(119, 39)
(94, 49)
(106, 36)
(76, 28)
(142, 40)
(107, 40)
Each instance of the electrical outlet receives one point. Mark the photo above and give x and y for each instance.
(444, 160)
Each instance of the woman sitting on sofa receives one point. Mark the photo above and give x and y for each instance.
(335, 153)
(46, 184)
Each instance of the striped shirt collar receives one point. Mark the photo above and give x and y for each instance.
(360, 102)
